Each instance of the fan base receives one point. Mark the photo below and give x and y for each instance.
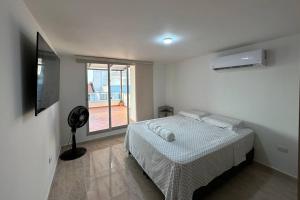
(73, 154)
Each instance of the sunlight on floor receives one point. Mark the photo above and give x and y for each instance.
(99, 117)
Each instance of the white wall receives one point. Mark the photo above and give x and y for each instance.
(266, 98)
(144, 91)
(159, 89)
(73, 93)
(26, 141)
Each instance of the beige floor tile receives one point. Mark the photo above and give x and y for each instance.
(106, 172)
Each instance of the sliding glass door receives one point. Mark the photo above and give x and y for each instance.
(98, 101)
(108, 96)
(119, 95)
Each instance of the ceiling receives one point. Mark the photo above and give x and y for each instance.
(132, 29)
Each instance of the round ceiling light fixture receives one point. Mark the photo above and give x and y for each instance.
(167, 41)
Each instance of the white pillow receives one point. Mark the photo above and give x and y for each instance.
(195, 114)
(223, 122)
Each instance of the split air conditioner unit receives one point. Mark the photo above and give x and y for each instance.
(245, 59)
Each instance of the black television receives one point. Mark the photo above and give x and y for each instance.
(47, 76)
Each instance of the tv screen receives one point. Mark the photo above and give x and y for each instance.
(47, 71)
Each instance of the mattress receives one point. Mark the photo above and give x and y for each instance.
(199, 153)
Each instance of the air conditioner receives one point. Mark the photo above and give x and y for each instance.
(245, 59)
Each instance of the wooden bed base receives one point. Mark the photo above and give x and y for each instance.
(216, 182)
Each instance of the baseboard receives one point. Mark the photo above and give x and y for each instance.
(104, 137)
(277, 170)
(53, 175)
(98, 137)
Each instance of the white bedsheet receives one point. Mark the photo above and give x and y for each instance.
(199, 153)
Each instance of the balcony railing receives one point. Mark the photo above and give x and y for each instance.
(96, 97)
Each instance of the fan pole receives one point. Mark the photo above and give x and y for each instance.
(74, 152)
(76, 119)
(73, 139)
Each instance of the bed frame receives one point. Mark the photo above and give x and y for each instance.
(218, 181)
(223, 178)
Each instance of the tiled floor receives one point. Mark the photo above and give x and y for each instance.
(107, 173)
(99, 117)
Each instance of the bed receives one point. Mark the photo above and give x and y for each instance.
(200, 153)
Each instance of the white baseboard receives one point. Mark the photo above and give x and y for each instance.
(100, 136)
(278, 170)
(53, 174)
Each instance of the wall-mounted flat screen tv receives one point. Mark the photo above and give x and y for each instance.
(47, 71)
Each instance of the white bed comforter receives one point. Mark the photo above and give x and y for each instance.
(199, 153)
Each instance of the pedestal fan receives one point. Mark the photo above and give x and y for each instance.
(77, 118)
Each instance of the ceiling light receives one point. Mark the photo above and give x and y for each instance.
(168, 41)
